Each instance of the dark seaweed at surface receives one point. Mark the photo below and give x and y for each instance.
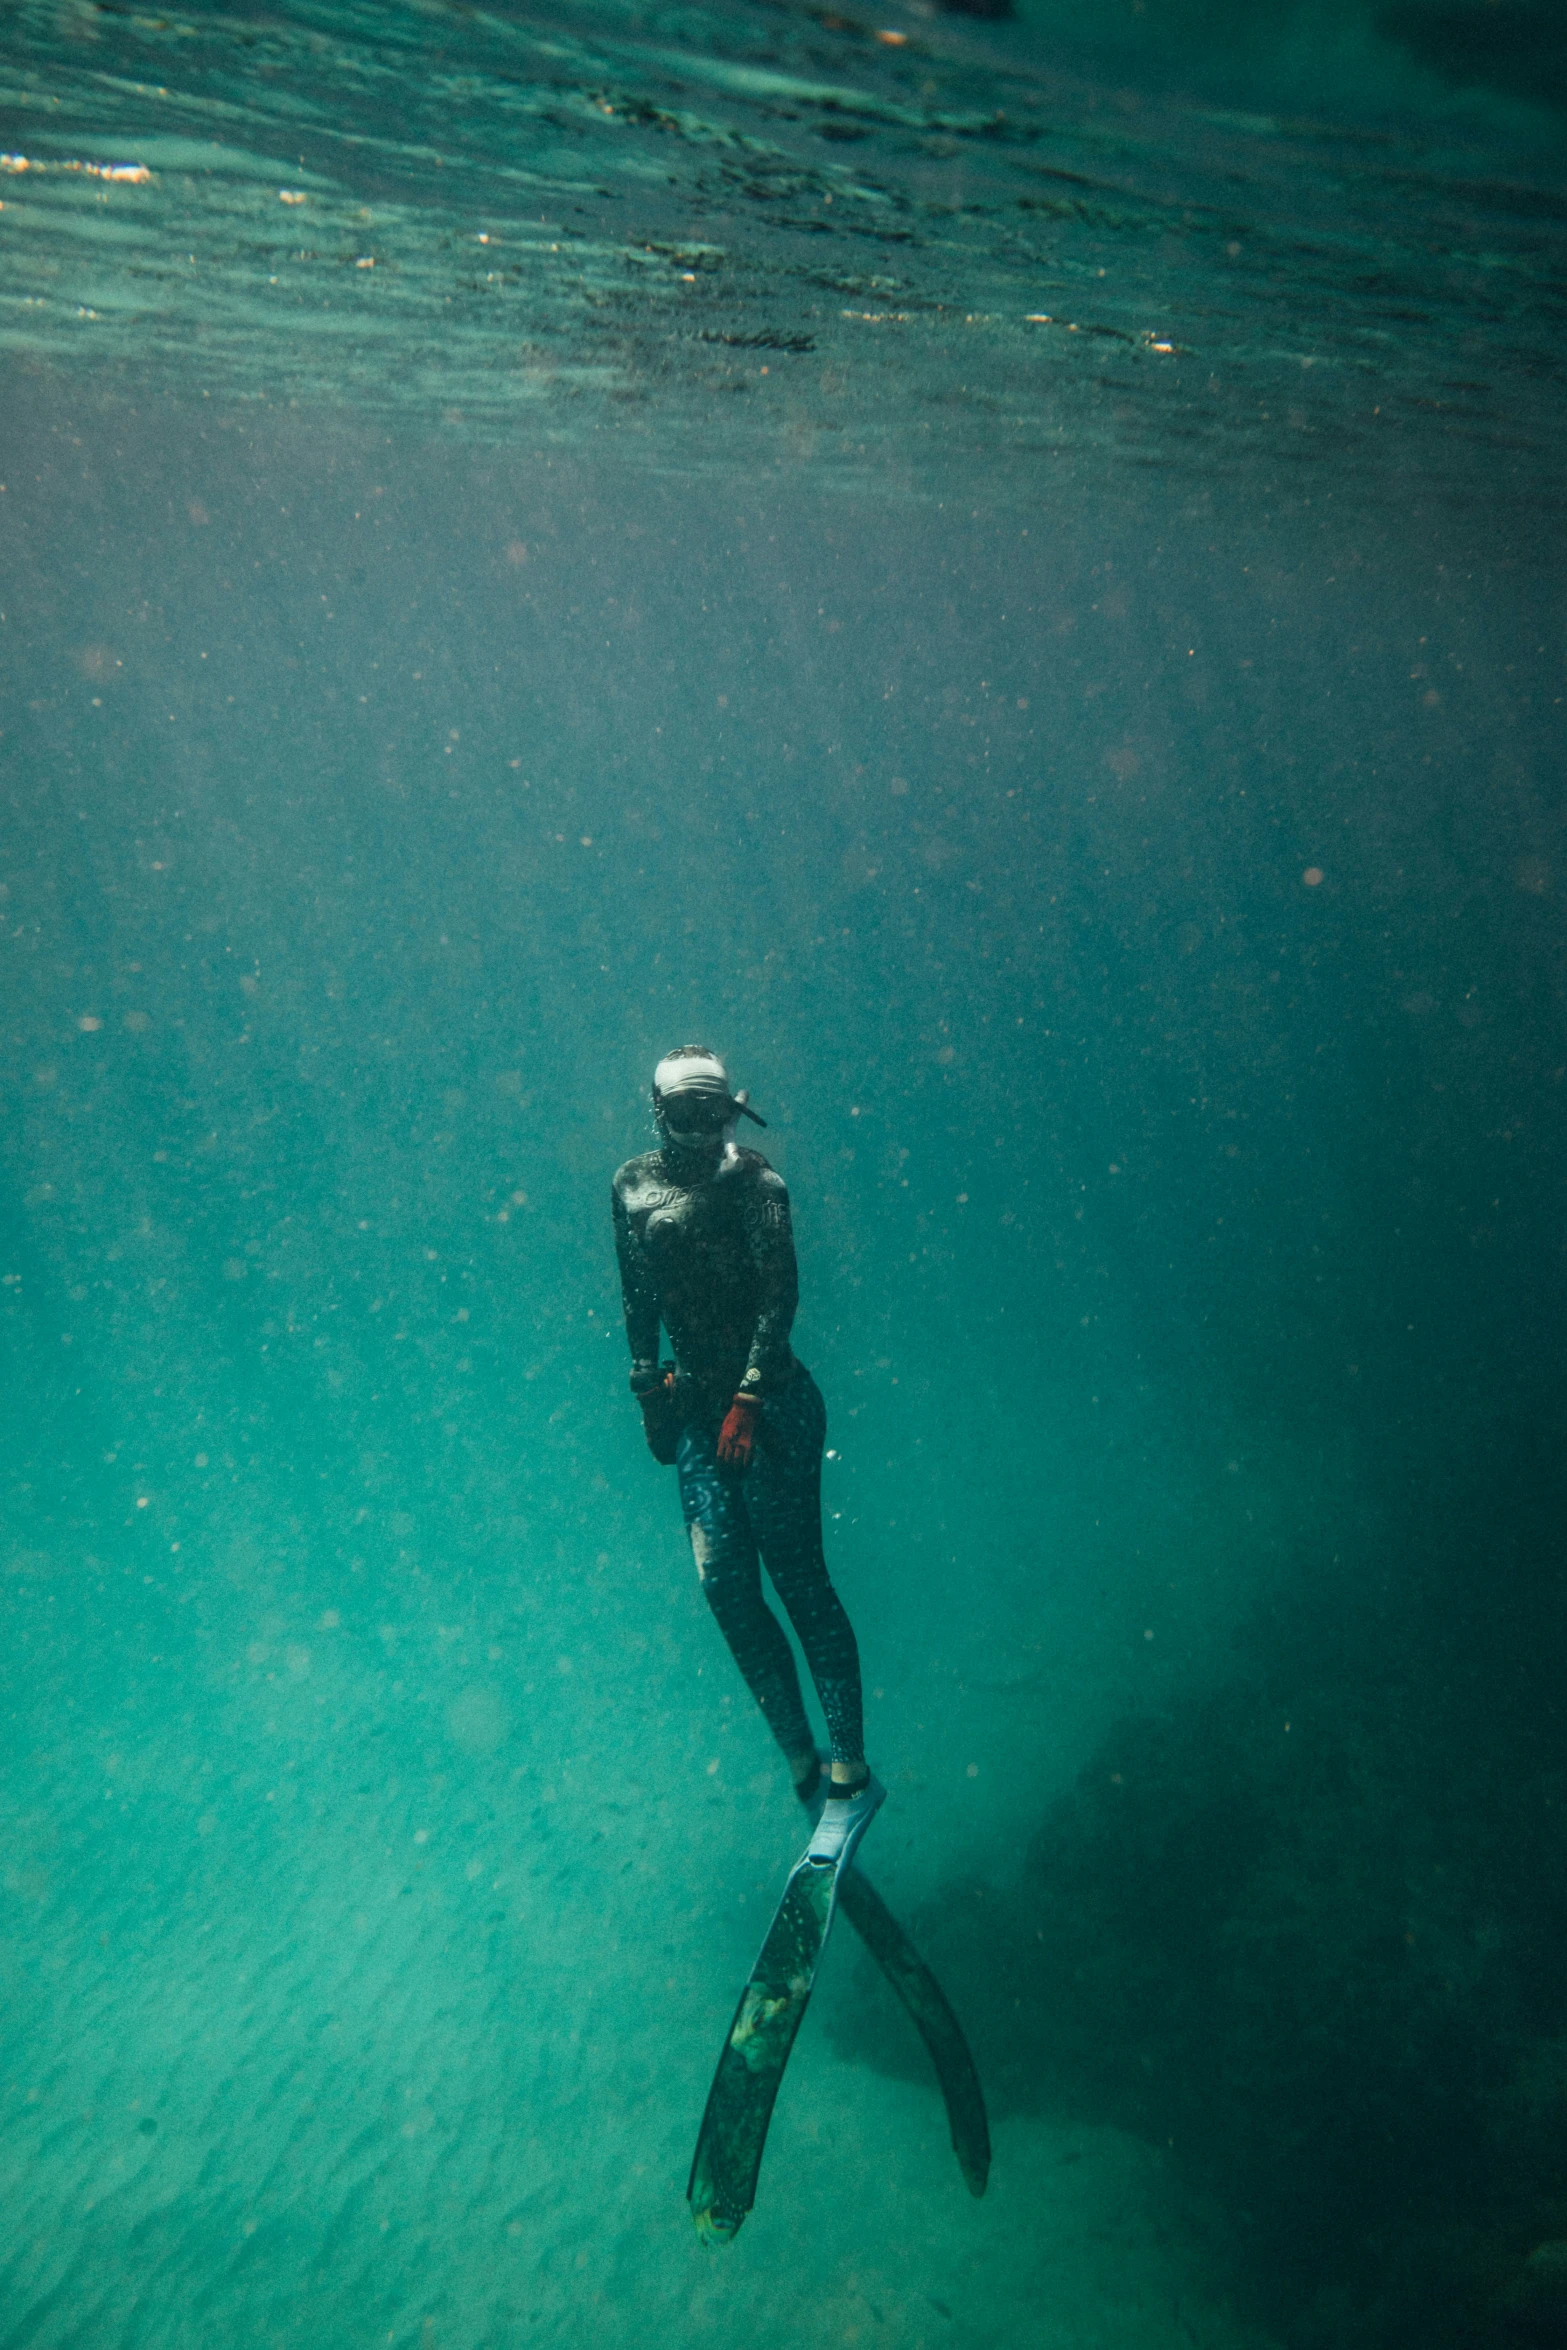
(545, 226)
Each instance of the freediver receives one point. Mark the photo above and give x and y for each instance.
(703, 1237)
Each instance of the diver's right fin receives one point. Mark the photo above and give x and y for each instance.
(931, 2015)
(924, 2002)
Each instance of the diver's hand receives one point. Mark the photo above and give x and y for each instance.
(661, 1420)
(738, 1434)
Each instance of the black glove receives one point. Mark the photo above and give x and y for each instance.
(661, 1419)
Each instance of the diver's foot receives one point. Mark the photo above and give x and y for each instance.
(841, 1790)
(844, 1821)
(809, 1771)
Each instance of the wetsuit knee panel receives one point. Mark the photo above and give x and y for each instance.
(704, 1549)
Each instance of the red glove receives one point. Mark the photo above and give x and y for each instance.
(738, 1434)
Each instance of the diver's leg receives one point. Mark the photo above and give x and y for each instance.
(724, 1548)
(784, 1499)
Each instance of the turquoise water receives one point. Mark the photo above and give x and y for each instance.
(1105, 800)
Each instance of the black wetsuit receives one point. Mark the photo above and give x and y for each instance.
(710, 1254)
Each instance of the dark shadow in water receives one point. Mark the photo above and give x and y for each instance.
(1516, 46)
(1308, 1931)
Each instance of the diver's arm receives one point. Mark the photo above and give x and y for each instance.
(769, 1236)
(639, 1299)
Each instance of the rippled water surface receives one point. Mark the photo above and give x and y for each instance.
(780, 236)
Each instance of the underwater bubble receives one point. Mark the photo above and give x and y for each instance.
(478, 1721)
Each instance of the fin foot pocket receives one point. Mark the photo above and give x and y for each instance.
(843, 1823)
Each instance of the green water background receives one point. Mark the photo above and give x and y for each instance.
(386, 1823)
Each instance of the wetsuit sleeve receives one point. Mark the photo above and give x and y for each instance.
(639, 1298)
(769, 1236)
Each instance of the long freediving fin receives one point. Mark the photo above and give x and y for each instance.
(931, 2015)
(928, 2009)
(728, 2158)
